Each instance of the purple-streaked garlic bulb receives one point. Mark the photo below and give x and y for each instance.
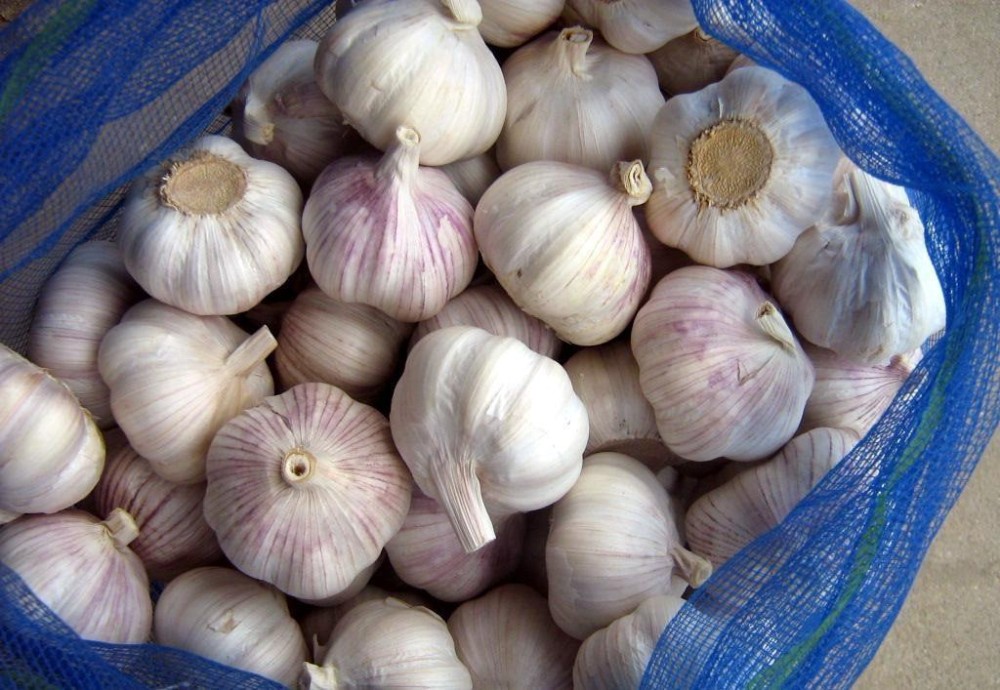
(318, 623)
(724, 373)
(305, 489)
(390, 233)
(83, 570)
(691, 62)
(473, 176)
(507, 639)
(173, 535)
(225, 616)
(510, 23)
(636, 26)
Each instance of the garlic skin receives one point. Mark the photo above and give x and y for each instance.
(507, 639)
(354, 347)
(83, 570)
(390, 233)
(173, 535)
(691, 62)
(420, 63)
(318, 624)
(175, 378)
(573, 98)
(51, 452)
(563, 242)
(726, 519)
(222, 614)
(861, 282)
(615, 657)
(636, 26)
(388, 644)
(79, 303)
(305, 489)
(724, 373)
(473, 176)
(740, 169)
(511, 23)
(6, 516)
(212, 230)
(487, 427)
(613, 544)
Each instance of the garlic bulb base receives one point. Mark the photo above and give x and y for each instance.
(121, 527)
(319, 677)
(729, 163)
(460, 494)
(204, 184)
(693, 568)
(251, 352)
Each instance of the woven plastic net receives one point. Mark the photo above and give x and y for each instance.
(94, 91)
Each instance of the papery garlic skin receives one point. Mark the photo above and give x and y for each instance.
(691, 62)
(573, 98)
(222, 614)
(212, 230)
(636, 26)
(390, 233)
(724, 373)
(79, 303)
(507, 639)
(510, 23)
(420, 63)
(473, 176)
(51, 452)
(487, 427)
(318, 623)
(175, 378)
(83, 570)
(305, 489)
(563, 242)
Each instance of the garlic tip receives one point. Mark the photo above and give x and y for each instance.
(770, 321)
(121, 527)
(251, 352)
(630, 177)
(693, 568)
(315, 677)
(459, 493)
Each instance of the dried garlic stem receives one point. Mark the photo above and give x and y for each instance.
(402, 160)
(251, 352)
(459, 493)
(630, 178)
(121, 527)
(319, 677)
(464, 11)
(692, 567)
(770, 321)
(573, 46)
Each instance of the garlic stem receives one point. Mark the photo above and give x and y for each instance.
(870, 199)
(630, 178)
(402, 159)
(319, 677)
(464, 11)
(298, 466)
(458, 491)
(257, 125)
(692, 567)
(121, 527)
(573, 46)
(770, 321)
(251, 352)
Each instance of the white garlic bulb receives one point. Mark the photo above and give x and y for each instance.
(420, 63)
(83, 570)
(563, 242)
(51, 452)
(390, 233)
(726, 519)
(636, 26)
(222, 614)
(473, 176)
(487, 426)
(304, 490)
(691, 62)
(613, 544)
(861, 282)
(510, 23)
(388, 644)
(573, 98)
(212, 230)
(175, 378)
(507, 639)
(720, 366)
(354, 347)
(740, 169)
(78, 304)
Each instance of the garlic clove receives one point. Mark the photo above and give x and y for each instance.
(636, 26)
(691, 62)
(511, 23)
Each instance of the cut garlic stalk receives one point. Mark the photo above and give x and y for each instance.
(636, 26)
(691, 62)
(511, 23)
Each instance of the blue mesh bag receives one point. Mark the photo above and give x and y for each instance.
(92, 92)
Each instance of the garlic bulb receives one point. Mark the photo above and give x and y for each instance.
(6, 516)
(507, 639)
(280, 114)
(615, 657)
(420, 63)
(487, 427)
(563, 242)
(510, 23)
(861, 282)
(354, 347)
(722, 370)
(613, 544)
(222, 614)
(740, 169)
(573, 98)
(388, 644)
(212, 230)
(691, 62)
(490, 308)
(427, 554)
(318, 623)
(51, 452)
(636, 26)
(390, 233)
(305, 489)
(175, 378)
(83, 570)
(726, 519)
(173, 535)
(473, 176)
(78, 304)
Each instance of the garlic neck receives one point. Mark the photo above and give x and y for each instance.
(121, 527)
(315, 677)
(691, 566)
(872, 203)
(402, 160)
(770, 321)
(459, 493)
(571, 47)
(631, 179)
(466, 12)
(251, 352)
(297, 467)
(257, 124)
(204, 184)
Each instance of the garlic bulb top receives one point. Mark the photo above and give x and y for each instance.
(212, 230)
(487, 426)
(420, 63)
(740, 169)
(51, 452)
(573, 98)
(175, 378)
(691, 62)
(636, 26)
(510, 23)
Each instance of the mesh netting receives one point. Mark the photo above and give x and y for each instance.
(94, 91)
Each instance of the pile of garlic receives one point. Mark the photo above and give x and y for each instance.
(547, 339)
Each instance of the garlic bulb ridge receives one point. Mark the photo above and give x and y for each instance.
(636, 26)
(510, 23)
